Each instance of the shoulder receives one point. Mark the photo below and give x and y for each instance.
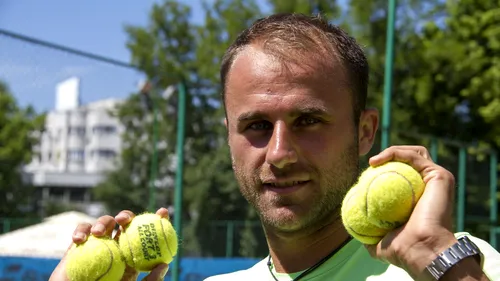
(252, 273)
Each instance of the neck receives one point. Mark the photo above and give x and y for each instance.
(297, 251)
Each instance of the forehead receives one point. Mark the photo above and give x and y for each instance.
(259, 79)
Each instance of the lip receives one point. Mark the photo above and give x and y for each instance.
(285, 187)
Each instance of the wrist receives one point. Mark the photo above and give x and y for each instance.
(467, 269)
(422, 253)
(459, 261)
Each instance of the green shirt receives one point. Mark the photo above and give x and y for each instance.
(353, 263)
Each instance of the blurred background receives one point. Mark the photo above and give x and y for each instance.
(100, 99)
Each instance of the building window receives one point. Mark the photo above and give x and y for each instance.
(104, 130)
(77, 131)
(77, 195)
(103, 154)
(75, 155)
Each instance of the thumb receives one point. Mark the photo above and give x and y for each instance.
(383, 249)
(59, 273)
(158, 273)
(130, 274)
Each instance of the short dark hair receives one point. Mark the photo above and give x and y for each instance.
(281, 33)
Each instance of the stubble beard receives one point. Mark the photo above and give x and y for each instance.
(335, 182)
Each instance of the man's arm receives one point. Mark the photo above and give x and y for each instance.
(428, 231)
(466, 269)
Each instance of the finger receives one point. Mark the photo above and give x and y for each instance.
(79, 236)
(372, 250)
(440, 194)
(411, 157)
(158, 273)
(386, 154)
(59, 273)
(376, 252)
(382, 250)
(124, 217)
(63, 259)
(130, 274)
(104, 226)
(81, 233)
(419, 149)
(163, 212)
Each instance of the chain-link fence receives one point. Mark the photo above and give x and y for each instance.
(32, 69)
(475, 167)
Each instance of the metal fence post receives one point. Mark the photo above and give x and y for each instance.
(229, 238)
(462, 169)
(389, 58)
(434, 149)
(493, 198)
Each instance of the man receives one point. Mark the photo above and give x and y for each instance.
(295, 90)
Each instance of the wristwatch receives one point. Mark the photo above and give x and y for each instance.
(462, 249)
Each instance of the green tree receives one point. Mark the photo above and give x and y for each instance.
(368, 24)
(457, 82)
(171, 49)
(215, 194)
(327, 8)
(445, 77)
(434, 71)
(17, 138)
(457, 89)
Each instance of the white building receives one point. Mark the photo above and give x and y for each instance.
(79, 144)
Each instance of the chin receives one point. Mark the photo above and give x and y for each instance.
(286, 219)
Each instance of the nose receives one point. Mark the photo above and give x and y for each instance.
(281, 149)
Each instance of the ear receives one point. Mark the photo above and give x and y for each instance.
(367, 130)
(225, 122)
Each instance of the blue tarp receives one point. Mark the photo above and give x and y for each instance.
(191, 269)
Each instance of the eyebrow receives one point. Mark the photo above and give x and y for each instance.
(306, 110)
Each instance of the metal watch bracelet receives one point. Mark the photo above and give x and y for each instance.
(447, 259)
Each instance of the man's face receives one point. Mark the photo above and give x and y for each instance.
(293, 140)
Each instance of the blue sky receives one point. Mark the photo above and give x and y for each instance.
(32, 72)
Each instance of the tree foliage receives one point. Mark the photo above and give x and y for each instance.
(171, 49)
(445, 81)
(17, 139)
(446, 73)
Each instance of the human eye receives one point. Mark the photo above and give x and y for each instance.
(308, 121)
(259, 126)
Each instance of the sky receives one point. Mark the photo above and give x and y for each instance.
(32, 72)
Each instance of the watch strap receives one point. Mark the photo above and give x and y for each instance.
(464, 248)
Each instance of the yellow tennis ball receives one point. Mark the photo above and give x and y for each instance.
(354, 218)
(96, 259)
(147, 241)
(393, 190)
(382, 200)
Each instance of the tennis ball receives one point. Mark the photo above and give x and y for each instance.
(382, 200)
(354, 217)
(147, 241)
(96, 259)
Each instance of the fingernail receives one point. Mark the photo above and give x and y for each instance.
(99, 228)
(124, 216)
(80, 235)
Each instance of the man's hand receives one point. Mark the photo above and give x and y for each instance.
(428, 231)
(104, 227)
